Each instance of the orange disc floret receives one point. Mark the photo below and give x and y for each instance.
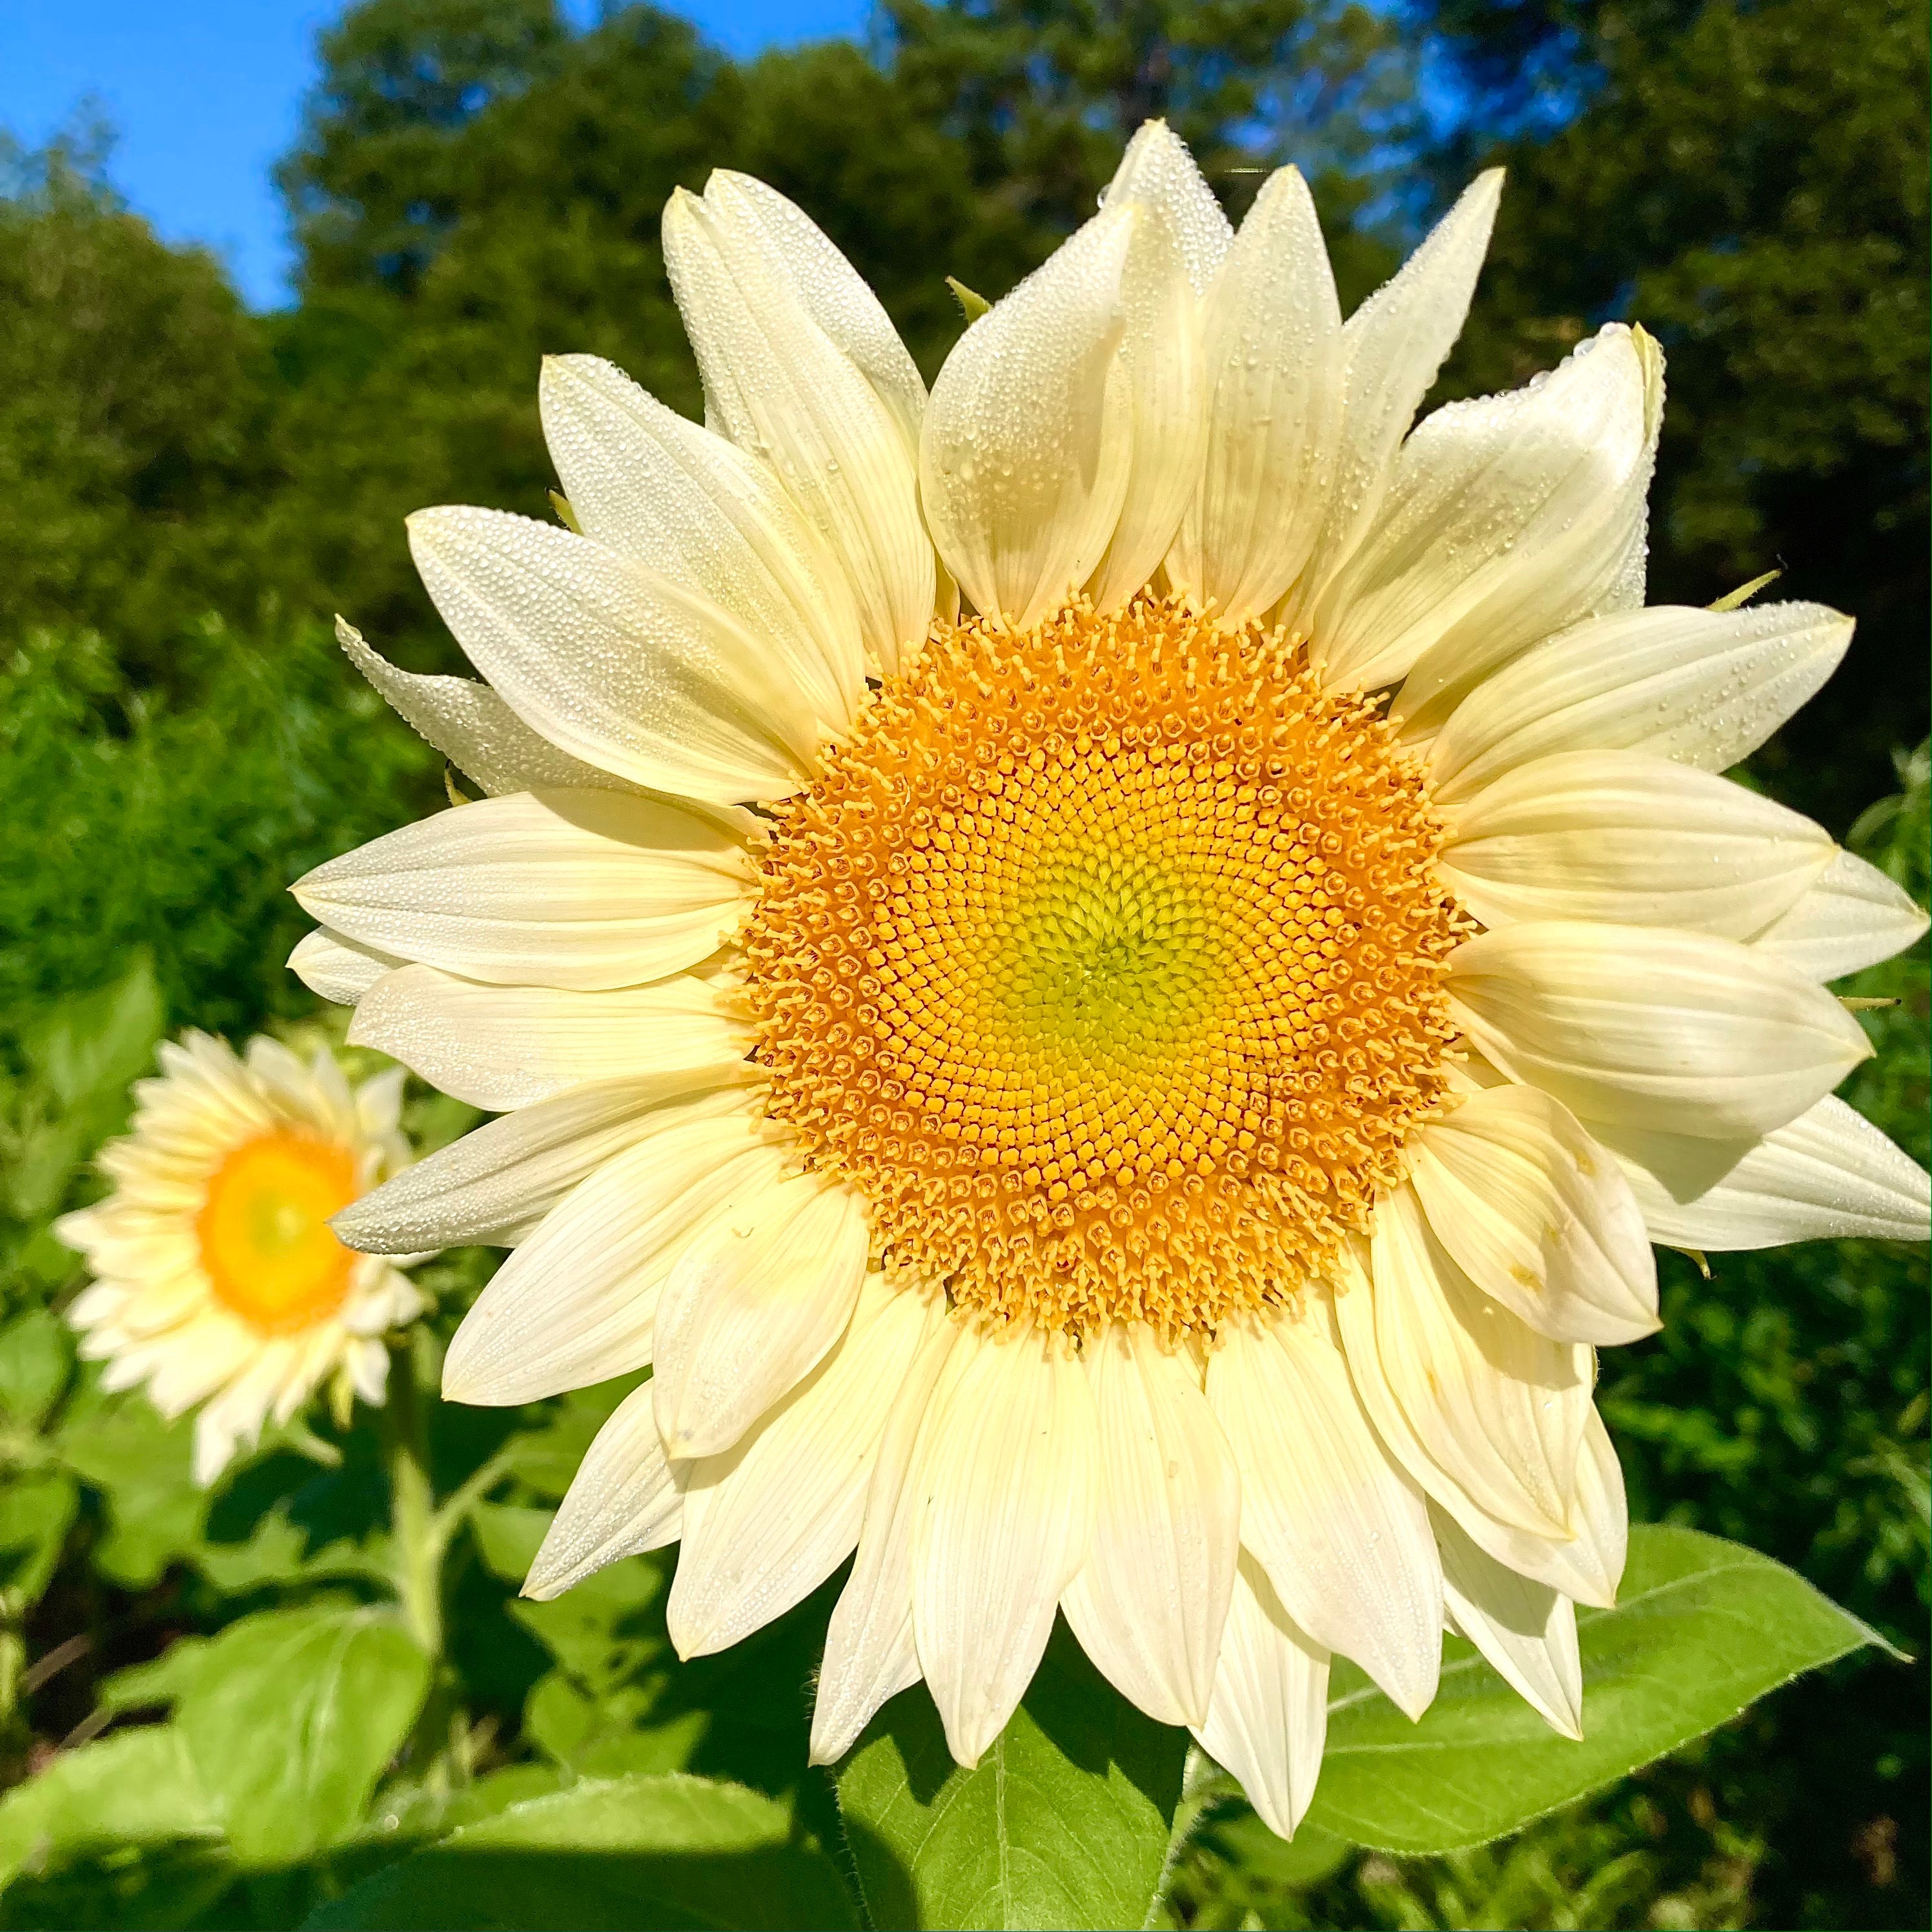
(1105, 960)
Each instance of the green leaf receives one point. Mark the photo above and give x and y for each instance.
(143, 1465)
(1063, 1822)
(36, 1359)
(1703, 1627)
(137, 1788)
(291, 1717)
(36, 1510)
(638, 1853)
(166, 1680)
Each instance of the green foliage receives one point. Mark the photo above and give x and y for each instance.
(1066, 1820)
(1701, 1629)
(322, 1699)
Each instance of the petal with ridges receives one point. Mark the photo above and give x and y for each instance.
(575, 1304)
(749, 1311)
(1852, 917)
(1149, 1606)
(1273, 364)
(1498, 1406)
(1538, 1216)
(869, 1651)
(1007, 1509)
(1268, 1719)
(589, 889)
(337, 969)
(502, 1047)
(1340, 1531)
(1704, 688)
(642, 480)
(494, 1184)
(1527, 1630)
(472, 727)
(1393, 348)
(1652, 1027)
(1585, 1568)
(612, 663)
(1024, 460)
(1628, 838)
(766, 1523)
(626, 1499)
(777, 384)
(1504, 519)
(1160, 351)
(1828, 1174)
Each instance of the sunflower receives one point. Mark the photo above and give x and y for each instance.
(217, 1281)
(1109, 972)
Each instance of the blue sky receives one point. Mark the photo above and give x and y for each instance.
(206, 94)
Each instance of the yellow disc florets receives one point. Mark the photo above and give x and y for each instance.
(1105, 959)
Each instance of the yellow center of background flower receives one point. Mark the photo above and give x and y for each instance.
(1105, 960)
(266, 1246)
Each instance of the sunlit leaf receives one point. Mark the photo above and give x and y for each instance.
(639, 1853)
(1065, 1821)
(291, 1717)
(1702, 1628)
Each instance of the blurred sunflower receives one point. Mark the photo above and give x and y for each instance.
(1109, 972)
(218, 1280)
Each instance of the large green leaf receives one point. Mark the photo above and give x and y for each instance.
(36, 1359)
(1701, 1629)
(290, 1717)
(137, 1788)
(1064, 1822)
(638, 1853)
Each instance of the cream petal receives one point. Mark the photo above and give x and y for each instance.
(1538, 1216)
(379, 1101)
(1006, 1485)
(1180, 235)
(472, 728)
(1392, 349)
(869, 1651)
(589, 889)
(749, 1311)
(502, 1047)
(642, 480)
(1268, 1718)
(1149, 1606)
(1505, 519)
(780, 387)
(575, 1304)
(1628, 838)
(1342, 1533)
(1652, 1027)
(334, 969)
(1704, 688)
(1852, 917)
(1527, 1630)
(1586, 1568)
(835, 294)
(1025, 459)
(613, 663)
(494, 1184)
(1599, 565)
(1273, 359)
(1827, 1175)
(767, 1521)
(625, 1499)
(1499, 1407)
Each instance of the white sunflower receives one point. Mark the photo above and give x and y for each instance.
(218, 1280)
(1109, 972)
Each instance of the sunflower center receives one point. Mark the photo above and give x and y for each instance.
(266, 1245)
(1105, 960)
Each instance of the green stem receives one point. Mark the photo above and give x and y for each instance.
(416, 1536)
